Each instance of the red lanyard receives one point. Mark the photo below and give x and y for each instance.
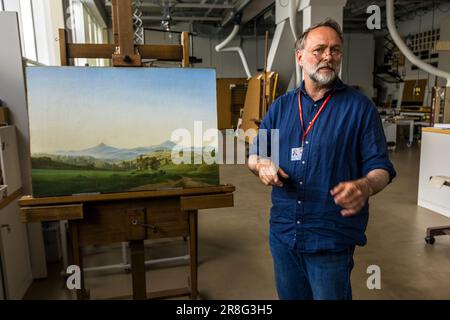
(305, 133)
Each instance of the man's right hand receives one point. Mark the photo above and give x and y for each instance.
(268, 172)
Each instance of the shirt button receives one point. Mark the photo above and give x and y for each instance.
(307, 142)
(303, 162)
(299, 202)
(301, 182)
(299, 222)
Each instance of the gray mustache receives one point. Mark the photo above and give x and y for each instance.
(326, 66)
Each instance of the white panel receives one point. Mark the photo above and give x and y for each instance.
(434, 161)
(10, 159)
(12, 92)
(15, 252)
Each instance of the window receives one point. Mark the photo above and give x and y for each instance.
(25, 15)
(39, 21)
(86, 28)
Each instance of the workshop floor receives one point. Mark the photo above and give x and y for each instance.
(234, 257)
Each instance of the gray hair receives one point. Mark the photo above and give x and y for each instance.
(330, 23)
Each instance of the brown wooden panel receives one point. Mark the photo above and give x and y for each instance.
(52, 213)
(224, 101)
(447, 106)
(135, 221)
(31, 201)
(207, 202)
(168, 220)
(443, 46)
(408, 91)
(90, 51)
(4, 116)
(252, 108)
(161, 52)
(106, 223)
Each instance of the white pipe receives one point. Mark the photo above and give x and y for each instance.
(233, 33)
(405, 50)
(293, 6)
(221, 48)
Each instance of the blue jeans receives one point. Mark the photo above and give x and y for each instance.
(307, 276)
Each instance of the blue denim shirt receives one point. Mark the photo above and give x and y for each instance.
(346, 142)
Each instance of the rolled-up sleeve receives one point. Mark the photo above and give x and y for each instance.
(373, 146)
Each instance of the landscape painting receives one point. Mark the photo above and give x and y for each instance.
(104, 130)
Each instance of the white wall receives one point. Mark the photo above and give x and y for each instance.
(358, 61)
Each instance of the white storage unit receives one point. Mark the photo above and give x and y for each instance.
(434, 194)
(14, 250)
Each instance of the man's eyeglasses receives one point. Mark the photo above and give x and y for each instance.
(321, 51)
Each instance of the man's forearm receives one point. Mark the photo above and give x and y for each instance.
(376, 180)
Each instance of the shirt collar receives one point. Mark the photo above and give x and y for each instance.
(337, 86)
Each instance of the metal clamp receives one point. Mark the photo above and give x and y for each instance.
(145, 225)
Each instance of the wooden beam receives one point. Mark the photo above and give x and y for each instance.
(114, 9)
(6, 201)
(185, 44)
(161, 52)
(137, 253)
(126, 57)
(63, 47)
(443, 46)
(105, 51)
(28, 201)
(51, 213)
(193, 252)
(207, 201)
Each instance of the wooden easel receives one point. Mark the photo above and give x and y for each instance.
(130, 216)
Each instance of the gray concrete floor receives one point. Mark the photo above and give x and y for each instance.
(235, 261)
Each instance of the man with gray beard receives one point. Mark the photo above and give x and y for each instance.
(332, 157)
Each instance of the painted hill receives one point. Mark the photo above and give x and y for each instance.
(105, 152)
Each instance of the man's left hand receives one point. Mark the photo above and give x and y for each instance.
(351, 195)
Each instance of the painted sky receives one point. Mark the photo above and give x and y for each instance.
(74, 108)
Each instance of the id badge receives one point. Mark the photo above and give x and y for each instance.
(296, 154)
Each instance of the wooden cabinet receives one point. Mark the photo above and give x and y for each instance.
(14, 250)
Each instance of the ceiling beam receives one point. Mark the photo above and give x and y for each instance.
(186, 5)
(175, 18)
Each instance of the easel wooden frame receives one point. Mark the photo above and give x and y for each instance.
(130, 216)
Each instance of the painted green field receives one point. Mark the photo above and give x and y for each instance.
(56, 182)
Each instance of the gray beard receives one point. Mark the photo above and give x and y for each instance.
(321, 79)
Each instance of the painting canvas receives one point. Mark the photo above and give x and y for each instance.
(104, 130)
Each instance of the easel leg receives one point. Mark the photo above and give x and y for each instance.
(193, 246)
(77, 259)
(138, 269)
